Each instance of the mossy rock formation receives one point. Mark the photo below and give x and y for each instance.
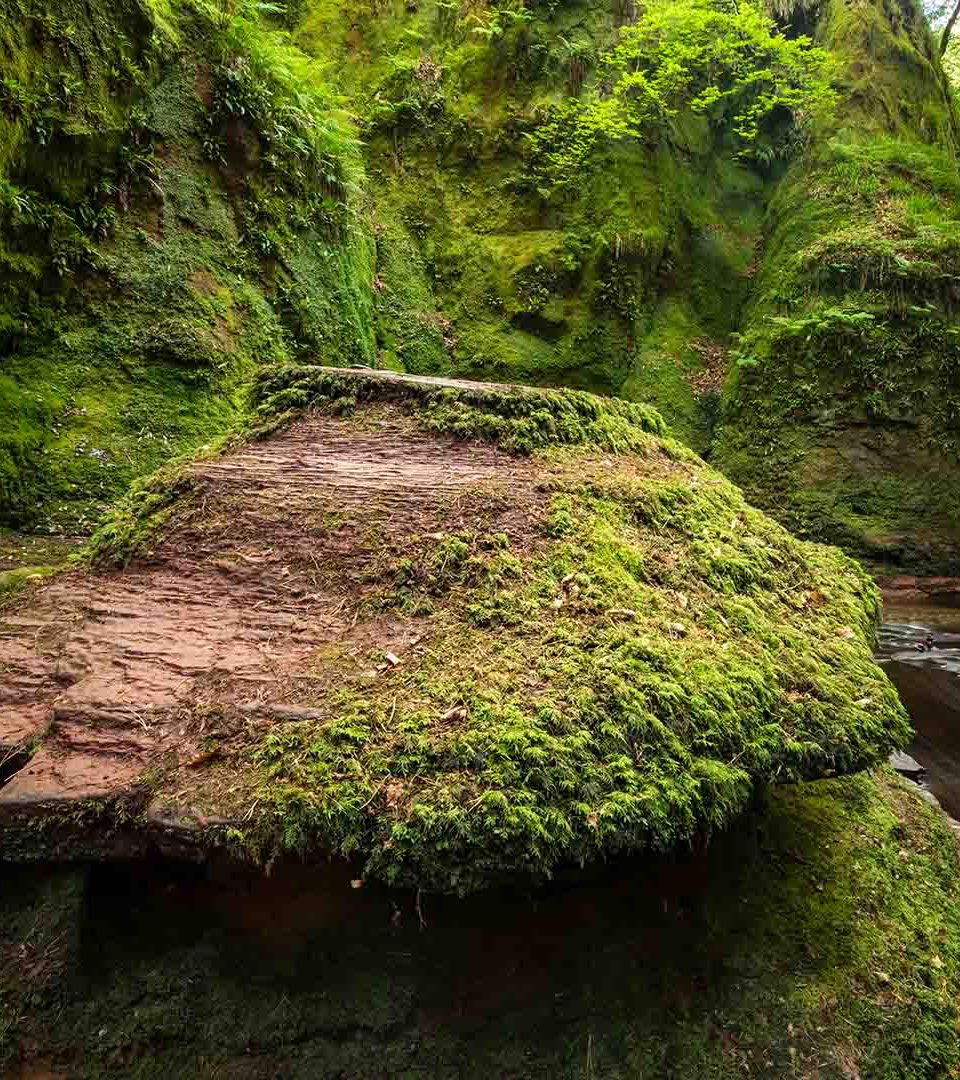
(452, 631)
(820, 937)
(842, 412)
(178, 204)
(183, 199)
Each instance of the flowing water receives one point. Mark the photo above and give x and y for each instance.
(919, 648)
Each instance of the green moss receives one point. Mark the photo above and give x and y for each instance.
(412, 334)
(478, 273)
(40, 922)
(842, 412)
(12, 582)
(822, 937)
(25, 561)
(664, 371)
(518, 419)
(138, 517)
(595, 713)
(179, 198)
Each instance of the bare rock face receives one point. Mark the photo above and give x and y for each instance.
(450, 631)
(910, 589)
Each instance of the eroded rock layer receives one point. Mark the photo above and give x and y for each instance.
(450, 631)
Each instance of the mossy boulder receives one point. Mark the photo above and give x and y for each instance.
(820, 936)
(452, 632)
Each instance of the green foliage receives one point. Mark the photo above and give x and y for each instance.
(706, 57)
(178, 203)
(195, 159)
(305, 154)
(475, 274)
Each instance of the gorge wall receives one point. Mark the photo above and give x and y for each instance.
(842, 412)
(176, 194)
(190, 191)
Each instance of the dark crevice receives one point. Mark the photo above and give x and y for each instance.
(12, 760)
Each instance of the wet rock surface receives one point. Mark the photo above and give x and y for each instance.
(919, 648)
(904, 590)
(108, 673)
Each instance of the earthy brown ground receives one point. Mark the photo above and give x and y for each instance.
(227, 622)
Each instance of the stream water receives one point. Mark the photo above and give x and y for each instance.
(919, 648)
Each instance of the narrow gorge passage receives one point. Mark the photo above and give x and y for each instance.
(919, 648)
(453, 454)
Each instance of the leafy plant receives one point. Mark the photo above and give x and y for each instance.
(494, 22)
(724, 61)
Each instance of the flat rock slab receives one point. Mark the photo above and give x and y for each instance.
(907, 766)
(911, 589)
(108, 671)
(377, 634)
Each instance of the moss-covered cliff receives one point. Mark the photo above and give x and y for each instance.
(625, 282)
(183, 201)
(842, 413)
(177, 193)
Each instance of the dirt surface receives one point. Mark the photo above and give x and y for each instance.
(228, 620)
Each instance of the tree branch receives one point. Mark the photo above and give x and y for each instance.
(948, 29)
